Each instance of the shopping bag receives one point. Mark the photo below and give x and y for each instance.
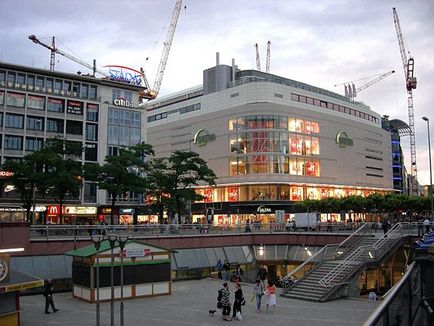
(239, 316)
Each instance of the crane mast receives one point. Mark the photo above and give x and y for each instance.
(166, 48)
(267, 68)
(258, 61)
(410, 84)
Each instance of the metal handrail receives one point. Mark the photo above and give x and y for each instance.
(359, 232)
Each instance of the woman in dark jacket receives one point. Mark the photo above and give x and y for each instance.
(239, 298)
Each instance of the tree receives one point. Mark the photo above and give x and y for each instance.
(159, 185)
(27, 174)
(186, 170)
(62, 170)
(122, 173)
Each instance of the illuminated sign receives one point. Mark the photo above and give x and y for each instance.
(343, 140)
(5, 174)
(120, 101)
(125, 75)
(136, 252)
(263, 209)
(203, 137)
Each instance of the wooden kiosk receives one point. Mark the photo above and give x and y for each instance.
(146, 271)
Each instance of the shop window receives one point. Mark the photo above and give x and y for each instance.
(232, 194)
(13, 142)
(36, 102)
(35, 123)
(312, 193)
(14, 121)
(295, 166)
(15, 99)
(296, 193)
(91, 152)
(311, 168)
(326, 193)
(74, 127)
(56, 105)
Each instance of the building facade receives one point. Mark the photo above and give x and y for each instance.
(101, 114)
(271, 141)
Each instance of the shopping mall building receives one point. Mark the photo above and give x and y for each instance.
(101, 114)
(271, 141)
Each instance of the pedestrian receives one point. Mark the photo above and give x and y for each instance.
(227, 269)
(239, 272)
(224, 295)
(271, 295)
(427, 223)
(420, 226)
(258, 292)
(48, 294)
(372, 296)
(238, 302)
(262, 274)
(219, 267)
(385, 225)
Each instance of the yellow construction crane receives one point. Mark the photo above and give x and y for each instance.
(152, 93)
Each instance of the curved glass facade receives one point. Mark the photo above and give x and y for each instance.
(274, 144)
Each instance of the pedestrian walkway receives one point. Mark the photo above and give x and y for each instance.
(189, 304)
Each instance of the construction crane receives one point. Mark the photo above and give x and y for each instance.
(350, 88)
(267, 67)
(152, 93)
(54, 50)
(258, 61)
(410, 84)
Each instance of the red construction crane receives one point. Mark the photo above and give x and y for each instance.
(410, 84)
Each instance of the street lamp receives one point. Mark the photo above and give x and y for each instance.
(112, 241)
(430, 169)
(122, 239)
(97, 239)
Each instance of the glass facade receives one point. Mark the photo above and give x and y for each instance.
(124, 127)
(274, 144)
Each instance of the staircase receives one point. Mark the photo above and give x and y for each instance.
(324, 275)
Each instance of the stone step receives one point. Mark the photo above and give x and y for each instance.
(302, 296)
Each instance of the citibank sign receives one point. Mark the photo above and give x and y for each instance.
(120, 101)
(343, 140)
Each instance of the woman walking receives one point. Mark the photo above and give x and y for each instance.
(258, 292)
(271, 295)
(239, 300)
(225, 301)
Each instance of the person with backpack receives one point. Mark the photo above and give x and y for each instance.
(258, 292)
(223, 302)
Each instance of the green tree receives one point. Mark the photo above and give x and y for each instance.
(27, 174)
(159, 185)
(62, 169)
(186, 170)
(122, 173)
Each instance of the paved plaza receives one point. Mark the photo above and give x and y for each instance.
(189, 305)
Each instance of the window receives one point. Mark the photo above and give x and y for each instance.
(84, 91)
(92, 92)
(55, 125)
(128, 96)
(2, 75)
(13, 142)
(56, 105)
(21, 79)
(14, 121)
(74, 107)
(90, 192)
(74, 127)
(116, 93)
(67, 86)
(35, 123)
(11, 78)
(49, 84)
(90, 152)
(36, 102)
(40, 81)
(92, 112)
(76, 87)
(33, 144)
(58, 84)
(1, 120)
(15, 99)
(91, 132)
(2, 98)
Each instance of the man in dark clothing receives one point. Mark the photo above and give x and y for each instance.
(48, 294)
(262, 274)
(227, 269)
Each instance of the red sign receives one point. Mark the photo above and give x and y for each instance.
(5, 174)
(233, 193)
(136, 252)
(53, 210)
(208, 195)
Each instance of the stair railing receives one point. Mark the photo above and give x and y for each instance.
(362, 231)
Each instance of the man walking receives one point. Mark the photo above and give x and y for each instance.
(427, 223)
(48, 294)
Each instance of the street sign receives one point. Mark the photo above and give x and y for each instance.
(136, 252)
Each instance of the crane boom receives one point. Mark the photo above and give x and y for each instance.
(351, 91)
(53, 49)
(267, 68)
(410, 84)
(258, 61)
(166, 48)
(374, 81)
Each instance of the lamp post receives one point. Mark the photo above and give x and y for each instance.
(112, 240)
(122, 239)
(430, 169)
(97, 239)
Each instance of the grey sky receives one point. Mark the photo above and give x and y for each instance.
(317, 42)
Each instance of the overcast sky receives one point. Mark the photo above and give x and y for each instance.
(322, 43)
